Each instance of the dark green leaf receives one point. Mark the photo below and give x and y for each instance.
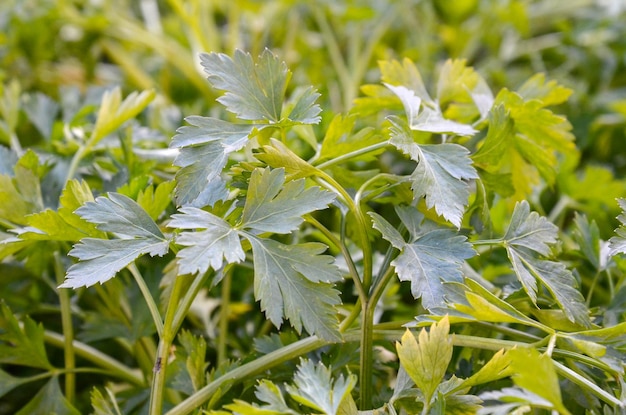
(587, 235)
(49, 400)
(42, 111)
(22, 346)
(8, 382)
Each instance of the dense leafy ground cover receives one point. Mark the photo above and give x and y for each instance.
(331, 207)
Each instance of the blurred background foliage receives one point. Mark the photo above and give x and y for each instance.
(57, 57)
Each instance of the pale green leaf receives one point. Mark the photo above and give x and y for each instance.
(426, 358)
(254, 91)
(405, 74)
(535, 372)
(441, 174)
(49, 400)
(341, 139)
(301, 107)
(549, 93)
(20, 195)
(428, 120)
(314, 387)
(278, 155)
(275, 206)
(530, 230)
(490, 154)
(617, 244)
(120, 215)
(207, 248)
(587, 236)
(49, 225)
(8, 159)
(22, 345)
(429, 260)
(101, 259)
(498, 367)
(104, 405)
(284, 283)
(513, 401)
(271, 394)
(456, 81)
(75, 195)
(556, 278)
(114, 112)
(155, 200)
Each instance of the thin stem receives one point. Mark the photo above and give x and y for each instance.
(344, 251)
(185, 303)
(352, 154)
(160, 366)
(367, 355)
(68, 331)
(586, 384)
(147, 295)
(224, 315)
(95, 356)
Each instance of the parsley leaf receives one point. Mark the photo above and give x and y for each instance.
(101, 259)
(441, 174)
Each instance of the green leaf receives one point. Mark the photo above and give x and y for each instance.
(155, 201)
(192, 355)
(22, 346)
(549, 93)
(490, 154)
(8, 382)
(49, 400)
(557, 279)
(104, 405)
(205, 146)
(535, 372)
(208, 248)
(428, 120)
(42, 111)
(20, 195)
(340, 139)
(441, 174)
(301, 107)
(75, 195)
(406, 74)
(275, 206)
(459, 83)
(530, 230)
(271, 394)
(587, 236)
(498, 367)
(101, 259)
(529, 234)
(617, 244)
(287, 283)
(426, 358)
(8, 159)
(114, 112)
(430, 259)
(279, 155)
(254, 91)
(314, 387)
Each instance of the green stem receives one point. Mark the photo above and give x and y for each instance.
(586, 384)
(344, 251)
(160, 366)
(68, 330)
(246, 371)
(147, 295)
(352, 154)
(222, 339)
(367, 355)
(185, 303)
(95, 356)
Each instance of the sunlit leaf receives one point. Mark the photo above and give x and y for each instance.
(314, 387)
(114, 112)
(427, 357)
(441, 174)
